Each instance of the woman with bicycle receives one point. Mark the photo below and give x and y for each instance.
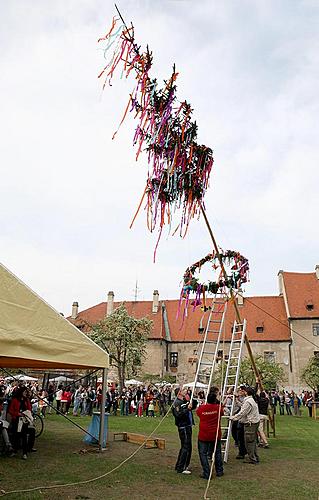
(23, 431)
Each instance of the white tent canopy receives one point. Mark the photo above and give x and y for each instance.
(34, 335)
(61, 378)
(26, 378)
(199, 385)
(132, 381)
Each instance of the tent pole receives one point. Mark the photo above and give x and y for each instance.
(102, 412)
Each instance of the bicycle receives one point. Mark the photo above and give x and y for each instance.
(38, 424)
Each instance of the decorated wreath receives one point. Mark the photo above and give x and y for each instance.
(238, 275)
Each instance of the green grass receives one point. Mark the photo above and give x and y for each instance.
(288, 469)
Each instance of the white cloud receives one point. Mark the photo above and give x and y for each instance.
(68, 192)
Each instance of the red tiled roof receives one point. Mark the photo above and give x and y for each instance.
(187, 330)
(302, 289)
(136, 309)
(252, 310)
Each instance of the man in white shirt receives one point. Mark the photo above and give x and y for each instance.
(249, 416)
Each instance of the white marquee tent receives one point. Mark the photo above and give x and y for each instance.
(34, 335)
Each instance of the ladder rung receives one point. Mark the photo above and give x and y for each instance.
(209, 352)
(215, 321)
(213, 331)
(233, 366)
(236, 349)
(206, 364)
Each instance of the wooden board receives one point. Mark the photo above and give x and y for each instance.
(131, 437)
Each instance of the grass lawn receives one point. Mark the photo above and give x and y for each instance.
(288, 469)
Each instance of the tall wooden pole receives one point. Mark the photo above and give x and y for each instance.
(238, 317)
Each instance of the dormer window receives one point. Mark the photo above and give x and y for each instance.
(259, 329)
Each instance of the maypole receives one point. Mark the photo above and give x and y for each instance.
(179, 167)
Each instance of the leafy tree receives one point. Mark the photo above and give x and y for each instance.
(271, 373)
(310, 373)
(124, 338)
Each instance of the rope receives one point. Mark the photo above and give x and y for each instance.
(219, 421)
(86, 481)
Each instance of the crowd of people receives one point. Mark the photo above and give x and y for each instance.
(19, 402)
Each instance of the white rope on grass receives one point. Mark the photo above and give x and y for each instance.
(86, 481)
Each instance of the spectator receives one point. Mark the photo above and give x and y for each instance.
(21, 422)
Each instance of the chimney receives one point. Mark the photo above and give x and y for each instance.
(75, 310)
(281, 282)
(155, 305)
(317, 271)
(110, 303)
(240, 298)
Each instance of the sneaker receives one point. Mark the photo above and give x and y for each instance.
(219, 474)
(33, 450)
(186, 471)
(252, 462)
(24, 457)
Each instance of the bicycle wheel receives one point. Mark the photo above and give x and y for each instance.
(38, 424)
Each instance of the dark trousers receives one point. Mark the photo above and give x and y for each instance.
(241, 440)
(25, 438)
(206, 450)
(281, 409)
(288, 409)
(234, 431)
(185, 453)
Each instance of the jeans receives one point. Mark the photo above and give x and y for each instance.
(281, 409)
(206, 450)
(185, 453)
(77, 403)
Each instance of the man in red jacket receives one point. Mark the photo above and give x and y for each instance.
(209, 434)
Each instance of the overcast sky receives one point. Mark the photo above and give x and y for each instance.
(68, 192)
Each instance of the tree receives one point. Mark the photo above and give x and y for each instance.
(124, 338)
(310, 373)
(271, 373)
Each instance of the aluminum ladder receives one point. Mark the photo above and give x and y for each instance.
(231, 382)
(211, 342)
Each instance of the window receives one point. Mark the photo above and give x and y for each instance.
(173, 359)
(316, 354)
(270, 356)
(309, 307)
(315, 329)
(259, 329)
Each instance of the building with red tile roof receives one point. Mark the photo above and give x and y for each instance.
(283, 327)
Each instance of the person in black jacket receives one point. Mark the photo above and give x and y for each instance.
(182, 411)
(263, 403)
